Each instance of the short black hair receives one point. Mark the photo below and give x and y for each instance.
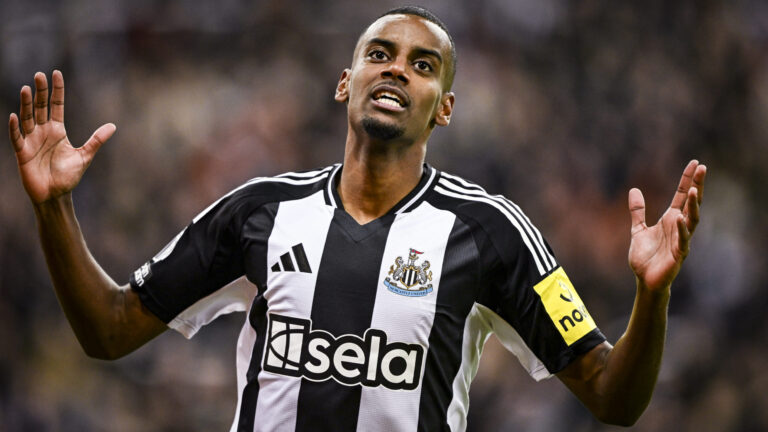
(429, 16)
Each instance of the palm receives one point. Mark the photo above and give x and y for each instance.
(656, 253)
(48, 163)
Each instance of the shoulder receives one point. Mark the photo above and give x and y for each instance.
(471, 201)
(261, 191)
(502, 222)
(286, 186)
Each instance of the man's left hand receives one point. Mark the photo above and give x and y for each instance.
(656, 253)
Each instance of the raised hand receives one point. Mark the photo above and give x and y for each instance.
(656, 253)
(48, 163)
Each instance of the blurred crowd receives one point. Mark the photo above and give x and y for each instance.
(562, 106)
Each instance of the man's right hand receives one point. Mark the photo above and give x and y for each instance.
(48, 163)
(109, 320)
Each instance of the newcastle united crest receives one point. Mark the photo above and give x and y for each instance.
(413, 278)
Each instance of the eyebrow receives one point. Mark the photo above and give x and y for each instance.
(389, 44)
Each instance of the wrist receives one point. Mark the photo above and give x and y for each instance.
(53, 207)
(655, 293)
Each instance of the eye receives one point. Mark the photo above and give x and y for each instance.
(423, 66)
(377, 55)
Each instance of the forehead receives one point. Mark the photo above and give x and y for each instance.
(404, 30)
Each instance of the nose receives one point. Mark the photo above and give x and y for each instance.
(396, 70)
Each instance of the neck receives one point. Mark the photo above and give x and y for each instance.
(377, 175)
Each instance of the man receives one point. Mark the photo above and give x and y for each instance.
(370, 287)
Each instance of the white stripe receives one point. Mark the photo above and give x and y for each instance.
(418, 195)
(426, 229)
(535, 230)
(463, 182)
(307, 174)
(330, 186)
(164, 252)
(514, 343)
(476, 333)
(514, 222)
(530, 227)
(479, 325)
(304, 221)
(533, 234)
(233, 297)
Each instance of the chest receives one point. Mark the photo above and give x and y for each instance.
(346, 278)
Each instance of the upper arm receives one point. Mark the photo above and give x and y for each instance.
(527, 288)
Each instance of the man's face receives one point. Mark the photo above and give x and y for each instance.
(395, 87)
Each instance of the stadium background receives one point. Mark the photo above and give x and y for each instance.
(562, 106)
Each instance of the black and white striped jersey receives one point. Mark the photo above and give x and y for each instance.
(376, 327)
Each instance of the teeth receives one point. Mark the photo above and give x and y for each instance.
(389, 98)
(389, 102)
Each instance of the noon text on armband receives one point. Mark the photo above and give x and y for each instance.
(294, 349)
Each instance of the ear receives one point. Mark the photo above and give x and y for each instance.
(342, 88)
(444, 111)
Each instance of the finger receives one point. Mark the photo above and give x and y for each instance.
(41, 98)
(692, 209)
(683, 235)
(636, 209)
(678, 201)
(15, 134)
(698, 181)
(99, 137)
(57, 97)
(25, 112)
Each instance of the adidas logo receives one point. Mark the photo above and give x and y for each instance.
(293, 262)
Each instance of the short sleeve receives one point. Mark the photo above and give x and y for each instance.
(532, 297)
(184, 283)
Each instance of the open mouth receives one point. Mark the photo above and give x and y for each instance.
(390, 98)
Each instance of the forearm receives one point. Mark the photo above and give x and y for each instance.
(632, 367)
(92, 301)
(616, 383)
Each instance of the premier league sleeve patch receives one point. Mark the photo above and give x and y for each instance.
(142, 274)
(565, 308)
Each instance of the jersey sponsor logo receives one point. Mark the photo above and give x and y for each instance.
(142, 274)
(294, 349)
(565, 308)
(414, 278)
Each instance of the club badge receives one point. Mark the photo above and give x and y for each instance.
(413, 278)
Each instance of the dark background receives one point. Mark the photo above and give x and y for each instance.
(560, 105)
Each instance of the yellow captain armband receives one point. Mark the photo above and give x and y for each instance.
(565, 308)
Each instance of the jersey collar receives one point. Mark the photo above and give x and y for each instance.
(429, 178)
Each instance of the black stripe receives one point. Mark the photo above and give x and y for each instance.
(276, 267)
(301, 258)
(257, 230)
(347, 280)
(258, 320)
(458, 285)
(287, 262)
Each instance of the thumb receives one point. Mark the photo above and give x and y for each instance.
(99, 137)
(636, 209)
